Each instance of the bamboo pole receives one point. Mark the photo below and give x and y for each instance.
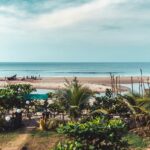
(114, 89)
(132, 84)
(119, 85)
(142, 90)
(148, 85)
(111, 82)
(116, 85)
(139, 86)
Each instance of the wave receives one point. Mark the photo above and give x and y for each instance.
(88, 72)
(65, 72)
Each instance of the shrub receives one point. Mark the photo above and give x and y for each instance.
(53, 123)
(69, 145)
(99, 133)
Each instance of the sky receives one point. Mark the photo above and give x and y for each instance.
(75, 30)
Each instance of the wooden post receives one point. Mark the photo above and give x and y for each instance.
(142, 90)
(116, 85)
(111, 81)
(114, 89)
(119, 85)
(148, 85)
(132, 84)
(139, 86)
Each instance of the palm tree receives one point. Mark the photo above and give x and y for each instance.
(144, 104)
(74, 97)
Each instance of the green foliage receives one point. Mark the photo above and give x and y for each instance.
(74, 112)
(135, 95)
(100, 133)
(104, 102)
(69, 145)
(108, 93)
(121, 104)
(74, 97)
(50, 94)
(53, 123)
(9, 99)
(21, 89)
(75, 94)
(136, 141)
(13, 96)
(97, 112)
(144, 103)
(39, 133)
(55, 107)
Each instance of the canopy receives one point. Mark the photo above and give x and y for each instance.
(36, 97)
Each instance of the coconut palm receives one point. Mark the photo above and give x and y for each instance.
(74, 97)
(144, 104)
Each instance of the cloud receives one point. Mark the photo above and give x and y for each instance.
(65, 16)
(73, 26)
(35, 7)
(72, 16)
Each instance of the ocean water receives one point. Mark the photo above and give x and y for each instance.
(73, 69)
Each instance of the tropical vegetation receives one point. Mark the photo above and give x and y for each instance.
(108, 122)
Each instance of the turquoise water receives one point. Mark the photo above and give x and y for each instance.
(42, 91)
(73, 69)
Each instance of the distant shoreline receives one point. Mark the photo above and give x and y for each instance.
(97, 84)
(96, 80)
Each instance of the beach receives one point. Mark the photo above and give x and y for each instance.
(97, 84)
(51, 76)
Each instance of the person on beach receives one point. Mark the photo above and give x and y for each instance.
(42, 123)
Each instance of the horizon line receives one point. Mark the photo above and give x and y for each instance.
(74, 61)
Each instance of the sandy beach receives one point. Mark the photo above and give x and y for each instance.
(97, 84)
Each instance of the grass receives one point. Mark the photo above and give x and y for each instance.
(47, 139)
(38, 140)
(42, 140)
(137, 142)
(5, 137)
(42, 134)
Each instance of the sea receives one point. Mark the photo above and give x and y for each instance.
(71, 69)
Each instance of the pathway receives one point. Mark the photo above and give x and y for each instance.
(19, 142)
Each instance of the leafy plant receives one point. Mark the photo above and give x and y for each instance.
(136, 141)
(52, 124)
(100, 133)
(69, 145)
(74, 97)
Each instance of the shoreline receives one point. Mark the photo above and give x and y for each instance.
(96, 84)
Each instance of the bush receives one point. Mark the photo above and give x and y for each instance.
(69, 145)
(99, 133)
(53, 123)
(136, 141)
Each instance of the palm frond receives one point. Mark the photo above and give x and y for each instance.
(131, 107)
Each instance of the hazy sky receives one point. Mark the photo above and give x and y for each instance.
(75, 30)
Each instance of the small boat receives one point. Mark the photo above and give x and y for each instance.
(14, 77)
